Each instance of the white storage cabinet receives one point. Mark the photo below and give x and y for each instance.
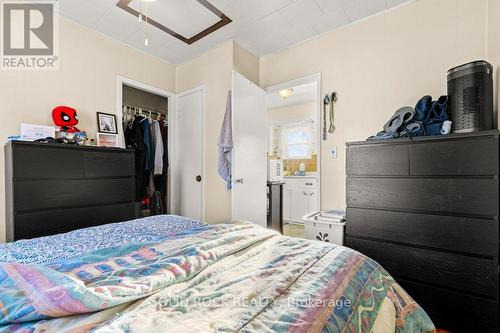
(300, 198)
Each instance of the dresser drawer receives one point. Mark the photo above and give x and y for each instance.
(378, 159)
(38, 224)
(476, 197)
(47, 162)
(106, 164)
(47, 194)
(461, 234)
(467, 157)
(454, 311)
(460, 272)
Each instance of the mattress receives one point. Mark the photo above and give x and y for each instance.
(236, 277)
(44, 250)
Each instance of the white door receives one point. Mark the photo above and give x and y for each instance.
(248, 196)
(189, 153)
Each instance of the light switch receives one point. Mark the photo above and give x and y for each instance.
(333, 152)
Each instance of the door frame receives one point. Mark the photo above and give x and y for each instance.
(202, 89)
(313, 78)
(120, 81)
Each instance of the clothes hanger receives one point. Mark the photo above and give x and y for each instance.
(142, 115)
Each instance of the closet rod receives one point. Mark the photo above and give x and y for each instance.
(140, 110)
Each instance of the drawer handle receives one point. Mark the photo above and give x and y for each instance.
(309, 184)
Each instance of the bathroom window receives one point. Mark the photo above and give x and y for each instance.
(297, 141)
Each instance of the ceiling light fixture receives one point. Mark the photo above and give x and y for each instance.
(285, 93)
(146, 39)
(140, 11)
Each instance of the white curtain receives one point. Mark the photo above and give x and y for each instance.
(297, 140)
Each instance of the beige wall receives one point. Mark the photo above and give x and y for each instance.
(246, 63)
(214, 71)
(493, 46)
(86, 79)
(380, 64)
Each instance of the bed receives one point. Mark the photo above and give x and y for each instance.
(173, 274)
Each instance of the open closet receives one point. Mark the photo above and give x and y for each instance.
(145, 130)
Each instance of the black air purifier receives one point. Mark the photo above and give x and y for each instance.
(470, 92)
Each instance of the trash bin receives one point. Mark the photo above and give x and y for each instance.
(326, 226)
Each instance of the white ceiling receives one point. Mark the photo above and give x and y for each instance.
(301, 94)
(261, 26)
(173, 13)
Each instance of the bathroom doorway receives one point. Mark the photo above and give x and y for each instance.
(294, 138)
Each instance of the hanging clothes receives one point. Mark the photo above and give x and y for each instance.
(158, 144)
(164, 136)
(163, 179)
(225, 145)
(123, 140)
(149, 139)
(148, 143)
(157, 208)
(134, 139)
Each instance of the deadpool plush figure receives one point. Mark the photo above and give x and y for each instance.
(66, 118)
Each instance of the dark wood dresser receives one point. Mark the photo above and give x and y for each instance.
(427, 210)
(55, 188)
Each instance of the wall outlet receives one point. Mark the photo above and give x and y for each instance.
(333, 152)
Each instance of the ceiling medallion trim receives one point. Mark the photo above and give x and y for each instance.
(224, 20)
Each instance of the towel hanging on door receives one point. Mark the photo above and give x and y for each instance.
(225, 145)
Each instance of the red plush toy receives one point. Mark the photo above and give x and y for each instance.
(66, 118)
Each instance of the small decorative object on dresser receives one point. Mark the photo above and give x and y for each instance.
(31, 132)
(106, 123)
(65, 118)
(427, 210)
(107, 140)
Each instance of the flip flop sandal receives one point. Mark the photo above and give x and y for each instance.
(402, 116)
(413, 129)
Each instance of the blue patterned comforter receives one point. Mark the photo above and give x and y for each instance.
(236, 277)
(45, 250)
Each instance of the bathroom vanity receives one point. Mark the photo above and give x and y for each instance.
(300, 197)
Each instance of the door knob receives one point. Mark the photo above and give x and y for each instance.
(239, 181)
(198, 178)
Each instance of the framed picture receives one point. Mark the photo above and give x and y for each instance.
(106, 123)
(107, 140)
